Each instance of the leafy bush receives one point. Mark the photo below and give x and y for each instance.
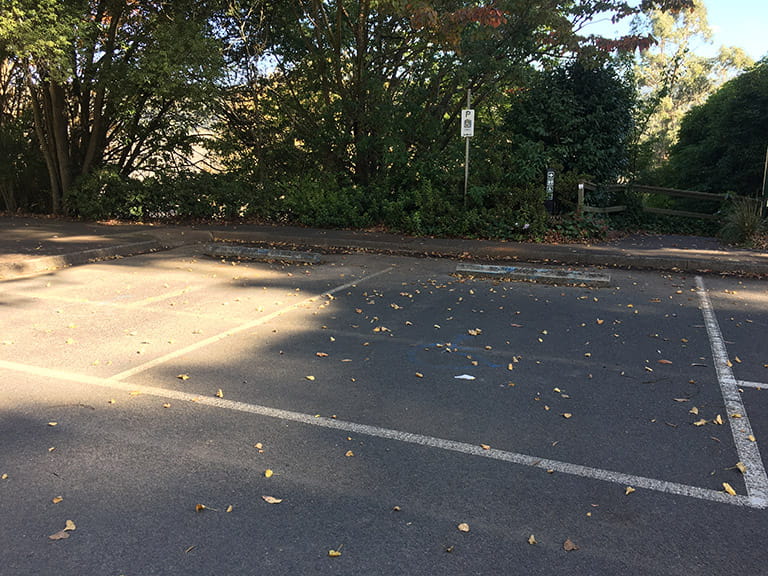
(324, 203)
(105, 194)
(576, 227)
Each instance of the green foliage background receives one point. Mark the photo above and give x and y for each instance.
(345, 113)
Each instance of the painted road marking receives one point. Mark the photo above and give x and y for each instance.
(243, 327)
(755, 476)
(400, 436)
(547, 275)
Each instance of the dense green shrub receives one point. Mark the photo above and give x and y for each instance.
(105, 194)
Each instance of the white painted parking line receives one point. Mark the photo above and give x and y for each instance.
(243, 327)
(748, 384)
(748, 451)
(543, 464)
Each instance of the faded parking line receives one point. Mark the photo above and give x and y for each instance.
(243, 327)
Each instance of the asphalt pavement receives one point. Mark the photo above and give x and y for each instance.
(373, 411)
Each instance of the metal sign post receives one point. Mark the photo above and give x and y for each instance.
(549, 202)
(467, 132)
(765, 176)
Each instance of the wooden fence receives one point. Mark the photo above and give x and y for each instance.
(582, 207)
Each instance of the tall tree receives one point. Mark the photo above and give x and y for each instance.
(722, 142)
(672, 76)
(361, 87)
(110, 82)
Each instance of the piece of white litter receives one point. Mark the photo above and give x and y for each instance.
(464, 377)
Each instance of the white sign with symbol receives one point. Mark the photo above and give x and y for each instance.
(467, 123)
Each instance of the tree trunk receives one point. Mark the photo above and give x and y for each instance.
(45, 148)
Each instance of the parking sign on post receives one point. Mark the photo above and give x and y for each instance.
(467, 123)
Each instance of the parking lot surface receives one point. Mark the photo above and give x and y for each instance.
(379, 415)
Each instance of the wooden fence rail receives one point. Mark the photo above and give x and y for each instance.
(582, 207)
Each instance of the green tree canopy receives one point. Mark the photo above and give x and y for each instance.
(577, 116)
(722, 143)
(111, 82)
(672, 76)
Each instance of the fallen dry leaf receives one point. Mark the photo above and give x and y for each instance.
(532, 540)
(271, 499)
(693, 410)
(230, 508)
(268, 473)
(741, 467)
(665, 362)
(53, 424)
(718, 420)
(57, 500)
(419, 375)
(485, 446)
(321, 354)
(349, 454)
(569, 546)
(463, 527)
(729, 489)
(183, 376)
(310, 378)
(751, 438)
(219, 393)
(567, 415)
(334, 553)
(63, 534)
(628, 490)
(700, 422)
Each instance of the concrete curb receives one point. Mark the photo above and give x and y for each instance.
(49, 263)
(259, 254)
(737, 262)
(560, 276)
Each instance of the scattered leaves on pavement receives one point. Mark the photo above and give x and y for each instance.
(569, 546)
(271, 499)
(63, 534)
